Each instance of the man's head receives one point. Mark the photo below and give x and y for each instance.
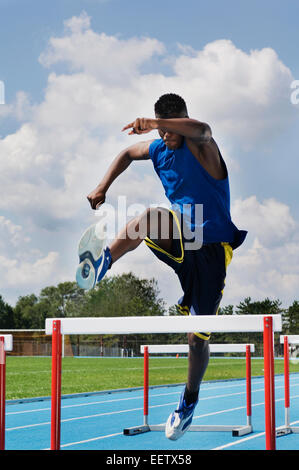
(171, 106)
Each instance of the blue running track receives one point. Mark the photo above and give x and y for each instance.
(96, 421)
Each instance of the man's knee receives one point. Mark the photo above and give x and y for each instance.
(147, 223)
(197, 344)
(139, 226)
(157, 224)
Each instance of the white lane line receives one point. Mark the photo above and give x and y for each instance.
(89, 440)
(110, 435)
(216, 448)
(123, 399)
(93, 439)
(204, 387)
(88, 416)
(231, 444)
(239, 408)
(131, 398)
(117, 412)
(141, 408)
(239, 441)
(154, 406)
(151, 396)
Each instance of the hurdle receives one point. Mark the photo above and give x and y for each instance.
(236, 430)
(287, 428)
(164, 324)
(5, 345)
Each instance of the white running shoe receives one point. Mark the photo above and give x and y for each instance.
(180, 420)
(94, 259)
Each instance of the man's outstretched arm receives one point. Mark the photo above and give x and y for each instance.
(189, 128)
(139, 151)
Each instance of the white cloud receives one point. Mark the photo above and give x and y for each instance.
(65, 144)
(267, 264)
(20, 264)
(270, 221)
(108, 57)
(73, 134)
(246, 95)
(19, 273)
(10, 233)
(20, 109)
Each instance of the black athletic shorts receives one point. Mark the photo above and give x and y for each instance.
(201, 272)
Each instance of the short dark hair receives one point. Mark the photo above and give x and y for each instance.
(170, 104)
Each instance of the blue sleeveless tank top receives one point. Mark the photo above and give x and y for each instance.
(187, 184)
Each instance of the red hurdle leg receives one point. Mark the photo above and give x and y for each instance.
(286, 381)
(248, 383)
(2, 394)
(145, 391)
(56, 385)
(269, 384)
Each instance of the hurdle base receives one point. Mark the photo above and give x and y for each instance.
(136, 430)
(284, 430)
(235, 430)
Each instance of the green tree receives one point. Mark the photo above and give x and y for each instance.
(260, 307)
(124, 295)
(223, 337)
(291, 319)
(26, 314)
(65, 299)
(6, 315)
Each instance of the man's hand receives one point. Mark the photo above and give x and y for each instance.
(96, 198)
(141, 126)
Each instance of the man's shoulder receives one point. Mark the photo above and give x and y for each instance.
(158, 144)
(156, 148)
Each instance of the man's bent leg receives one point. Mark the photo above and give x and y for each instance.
(180, 420)
(198, 359)
(155, 221)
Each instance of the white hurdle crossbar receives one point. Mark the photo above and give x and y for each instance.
(164, 324)
(237, 430)
(6, 343)
(287, 428)
(184, 348)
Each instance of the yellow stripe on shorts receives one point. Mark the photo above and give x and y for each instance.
(184, 310)
(154, 246)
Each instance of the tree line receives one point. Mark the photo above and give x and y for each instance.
(128, 295)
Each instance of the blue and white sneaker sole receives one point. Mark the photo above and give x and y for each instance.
(178, 428)
(91, 247)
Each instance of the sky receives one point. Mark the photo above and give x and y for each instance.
(75, 72)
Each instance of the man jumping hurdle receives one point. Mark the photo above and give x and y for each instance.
(193, 173)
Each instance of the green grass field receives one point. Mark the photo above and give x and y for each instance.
(28, 377)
